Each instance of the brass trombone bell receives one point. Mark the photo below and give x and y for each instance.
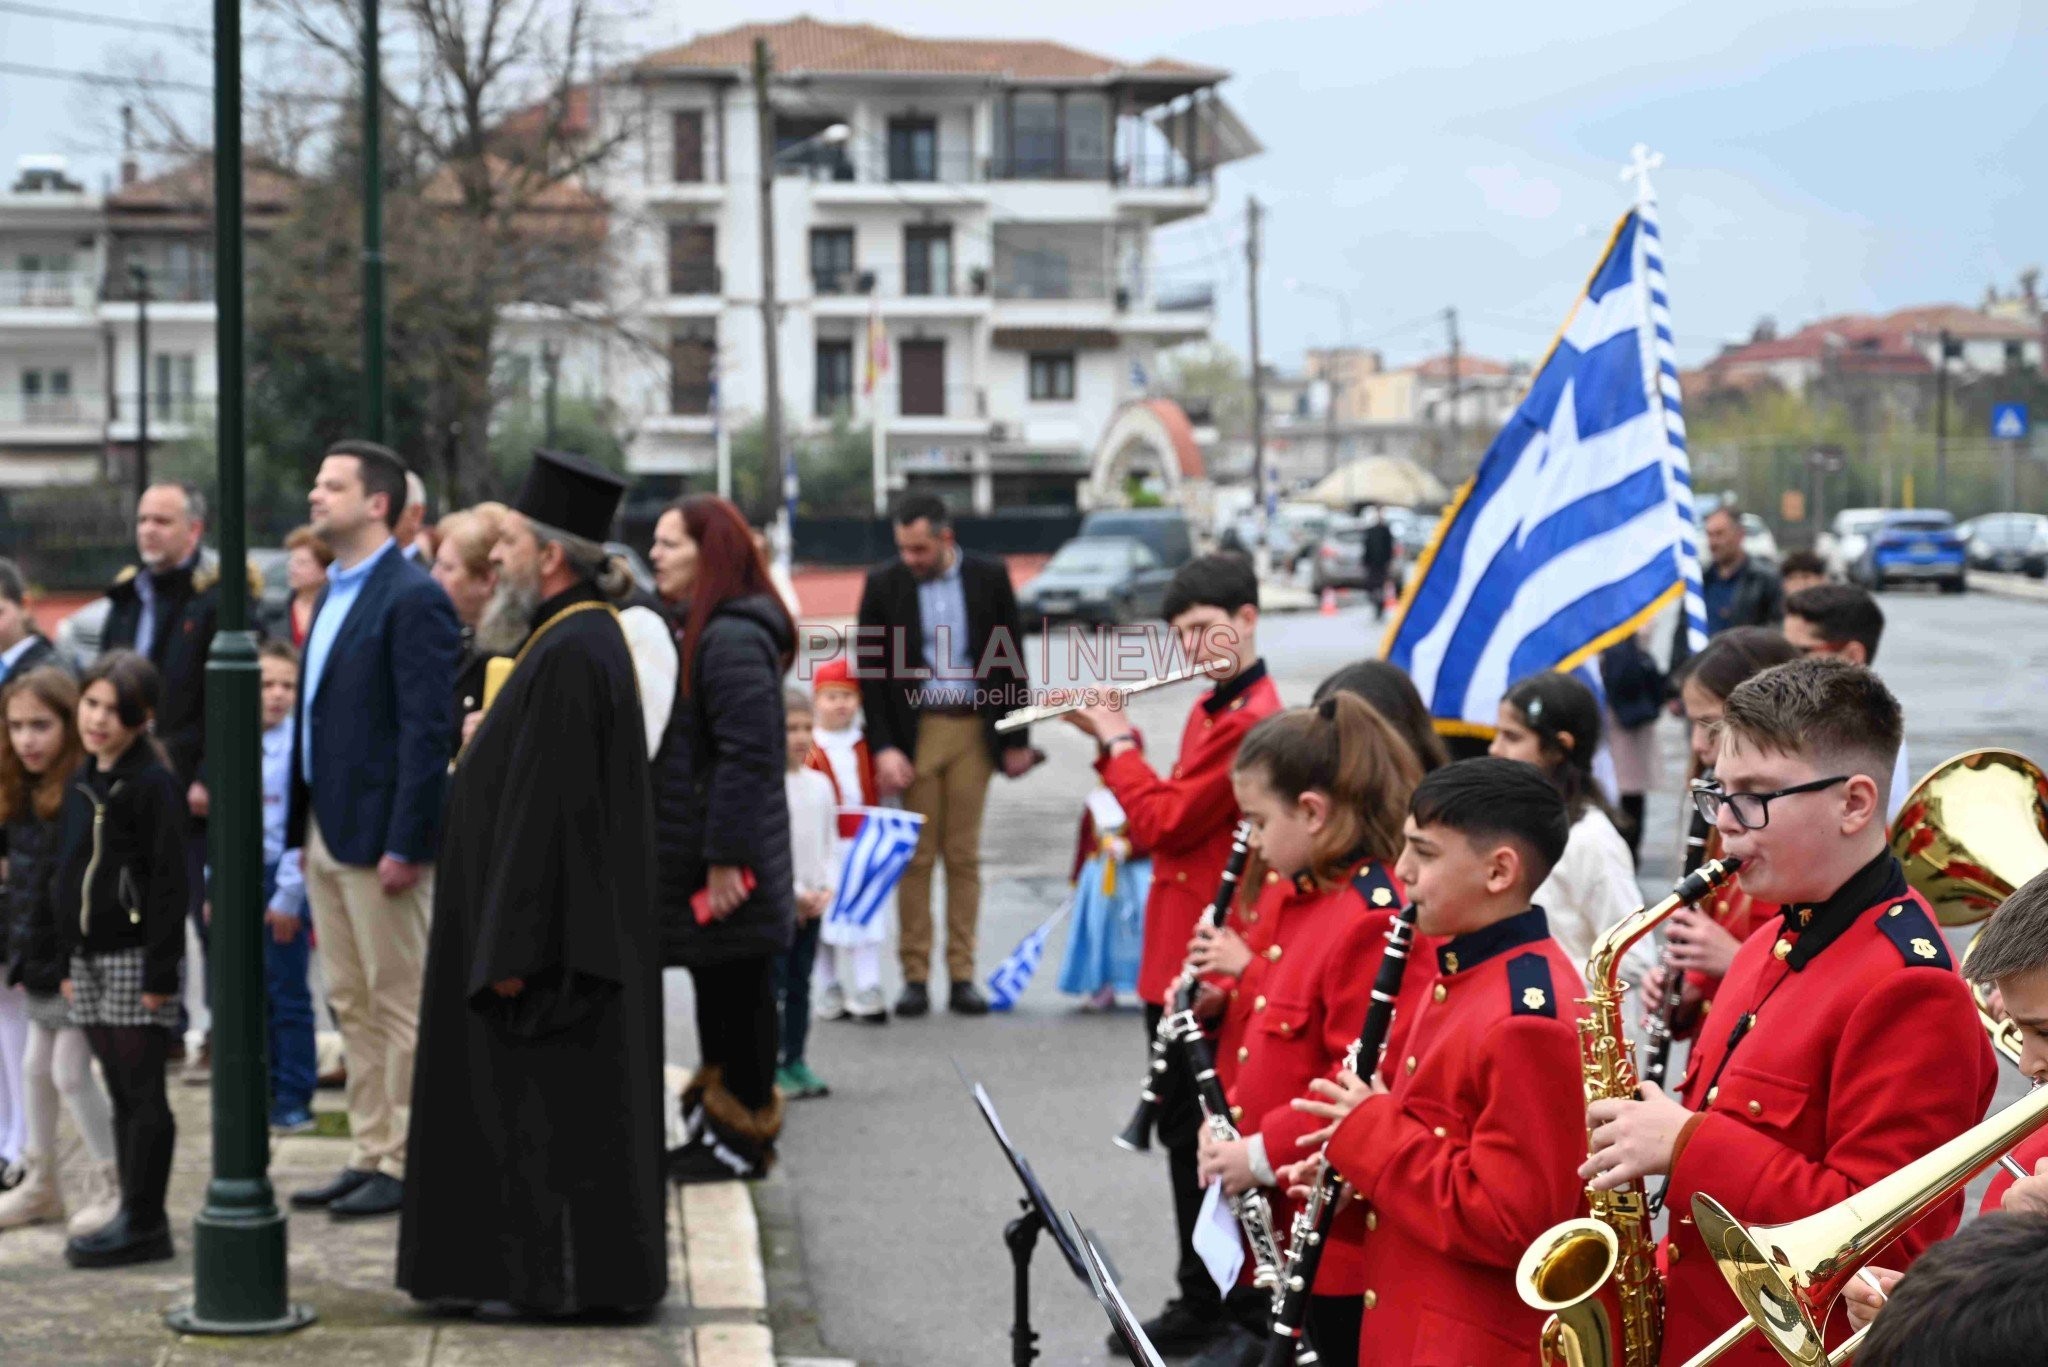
(1973, 830)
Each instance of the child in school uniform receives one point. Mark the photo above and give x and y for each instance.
(119, 893)
(288, 932)
(849, 968)
(812, 846)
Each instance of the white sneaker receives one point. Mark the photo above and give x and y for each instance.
(832, 1004)
(870, 1007)
(99, 1202)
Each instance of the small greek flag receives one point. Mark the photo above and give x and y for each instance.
(1139, 380)
(880, 851)
(1578, 527)
(1014, 974)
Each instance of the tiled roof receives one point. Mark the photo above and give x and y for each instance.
(1469, 367)
(809, 46)
(1966, 323)
(189, 188)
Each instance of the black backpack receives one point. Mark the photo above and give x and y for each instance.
(1634, 684)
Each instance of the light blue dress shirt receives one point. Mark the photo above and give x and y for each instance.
(942, 606)
(290, 894)
(343, 588)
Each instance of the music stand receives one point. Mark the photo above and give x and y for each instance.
(1103, 1283)
(1021, 1235)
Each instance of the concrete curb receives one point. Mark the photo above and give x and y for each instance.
(2009, 586)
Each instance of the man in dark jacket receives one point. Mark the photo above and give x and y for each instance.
(1376, 557)
(940, 656)
(22, 647)
(166, 607)
(1739, 592)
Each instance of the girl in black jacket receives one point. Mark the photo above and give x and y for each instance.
(722, 823)
(119, 891)
(37, 766)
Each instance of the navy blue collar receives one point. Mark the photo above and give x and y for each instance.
(1820, 924)
(1233, 688)
(1467, 952)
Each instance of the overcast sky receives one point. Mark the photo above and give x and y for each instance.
(1848, 156)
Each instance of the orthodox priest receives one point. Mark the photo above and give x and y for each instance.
(535, 1188)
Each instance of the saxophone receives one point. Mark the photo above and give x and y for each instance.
(1573, 1269)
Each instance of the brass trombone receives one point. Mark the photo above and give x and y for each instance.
(1971, 832)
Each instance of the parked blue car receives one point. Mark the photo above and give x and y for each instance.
(1914, 546)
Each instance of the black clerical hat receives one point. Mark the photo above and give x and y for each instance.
(570, 493)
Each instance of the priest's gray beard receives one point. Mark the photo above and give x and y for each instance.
(508, 617)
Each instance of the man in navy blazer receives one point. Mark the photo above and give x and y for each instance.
(373, 731)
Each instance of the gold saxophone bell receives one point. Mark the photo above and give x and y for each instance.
(1563, 1273)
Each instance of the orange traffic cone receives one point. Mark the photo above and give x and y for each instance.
(1329, 604)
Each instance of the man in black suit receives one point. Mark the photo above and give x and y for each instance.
(372, 733)
(949, 619)
(22, 647)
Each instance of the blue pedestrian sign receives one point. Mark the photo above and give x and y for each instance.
(2009, 421)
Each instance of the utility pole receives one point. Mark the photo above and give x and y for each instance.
(771, 349)
(141, 278)
(1941, 423)
(1457, 393)
(373, 229)
(239, 1277)
(551, 368)
(1253, 214)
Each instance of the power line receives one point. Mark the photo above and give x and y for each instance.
(158, 83)
(105, 20)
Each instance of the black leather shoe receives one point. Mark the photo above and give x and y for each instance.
(966, 1000)
(118, 1244)
(381, 1195)
(313, 1198)
(1238, 1347)
(916, 1001)
(1179, 1330)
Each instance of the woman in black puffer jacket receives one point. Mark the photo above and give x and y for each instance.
(722, 829)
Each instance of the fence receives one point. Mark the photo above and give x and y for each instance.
(1782, 483)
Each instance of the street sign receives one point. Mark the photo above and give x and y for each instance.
(1829, 460)
(2010, 421)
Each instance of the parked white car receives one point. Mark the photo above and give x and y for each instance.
(1843, 544)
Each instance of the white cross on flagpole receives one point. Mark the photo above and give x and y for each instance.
(1642, 161)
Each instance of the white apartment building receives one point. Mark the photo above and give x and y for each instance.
(73, 264)
(989, 204)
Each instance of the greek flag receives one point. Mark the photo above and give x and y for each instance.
(1014, 974)
(1578, 527)
(880, 851)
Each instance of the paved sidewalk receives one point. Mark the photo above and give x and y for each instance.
(54, 1316)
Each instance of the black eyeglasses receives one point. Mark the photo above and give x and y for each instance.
(1752, 810)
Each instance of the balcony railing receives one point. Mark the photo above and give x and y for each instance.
(897, 282)
(50, 410)
(164, 407)
(1184, 299)
(189, 286)
(690, 400)
(46, 290)
(695, 277)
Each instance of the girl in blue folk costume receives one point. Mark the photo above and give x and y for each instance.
(1111, 879)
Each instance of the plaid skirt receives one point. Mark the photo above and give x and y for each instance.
(106, 989)
(51, 1012)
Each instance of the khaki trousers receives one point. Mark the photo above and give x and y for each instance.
(951, 792)
(374, 951)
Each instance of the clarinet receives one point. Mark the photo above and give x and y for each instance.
(1254, 1213)
(1311, 1227)
(1137, 1134)
(1663, 1027)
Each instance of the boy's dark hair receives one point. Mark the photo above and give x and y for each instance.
(797, 700)
(2015, 940)
(1392, 693)
(383, 472)
(1820, 707)
(277, 648)
(12, 586)
(1978, 1299)
(1498, 799)
(923, 507)
(1802, 562)
(1221, 579)
(1841, 613)
(1737, 654)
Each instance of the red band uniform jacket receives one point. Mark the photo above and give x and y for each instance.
(1842, 1046)
(1300, 1021)
(1185, 818)
(1472, 1154)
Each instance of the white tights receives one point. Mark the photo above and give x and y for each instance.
(856, 968)
(13, 1044)
(59, 1062)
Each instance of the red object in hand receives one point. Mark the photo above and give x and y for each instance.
(700, 900)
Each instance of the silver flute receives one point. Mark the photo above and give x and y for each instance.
(1026, 716)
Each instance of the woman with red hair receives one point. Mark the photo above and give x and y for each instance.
(722, 829)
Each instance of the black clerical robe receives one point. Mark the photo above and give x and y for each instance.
(535, 1172)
